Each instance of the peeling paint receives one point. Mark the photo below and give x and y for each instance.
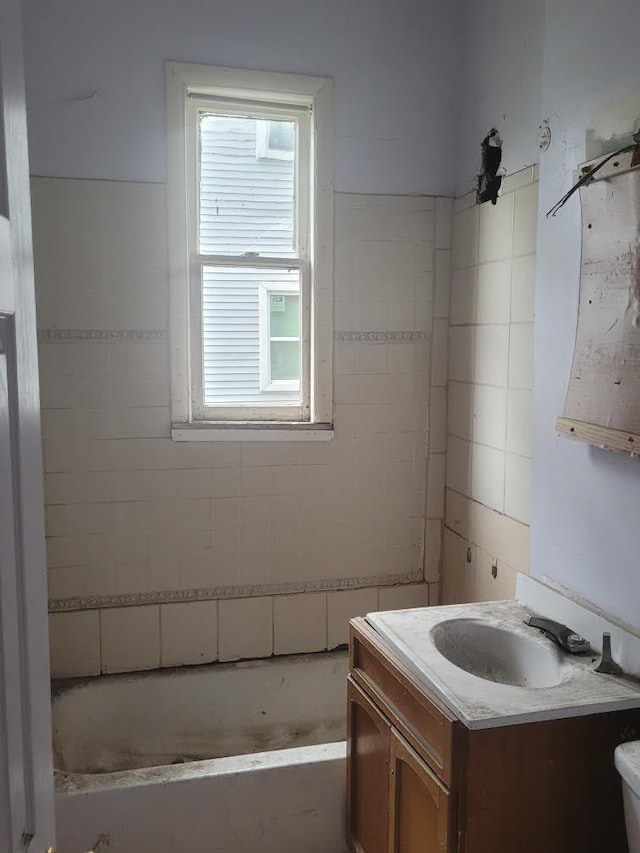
(614, 124)
(632, 260)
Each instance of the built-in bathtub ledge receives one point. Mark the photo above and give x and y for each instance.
(83, 783)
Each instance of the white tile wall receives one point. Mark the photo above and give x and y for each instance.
(491, 363)
(517, 487)
(462, 353)
(300, 623)
(438, 420)
(525, 220)
(523, 278)
(437, 414)
(459, 455)
(487, 476)
(493, 292)
(245, 628)
(345, 605)
(74, 640)
(458, 577)
(464, 283)
(439, 369)
(460, 409)
(433, 557)
(188, 633)
(521, 356)
(490, 588)
(401, 597)
(519, 420)
(129, 511)
(489, 415)
(442, 281)
(490, 539)
(495, 239)
(489, 400)
(130, 638)
(465, 237)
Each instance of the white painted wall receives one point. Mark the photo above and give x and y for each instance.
(392, 63)
(500, 83)
(397, 86)
(585, 501)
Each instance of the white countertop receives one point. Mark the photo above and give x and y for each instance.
(479, 703)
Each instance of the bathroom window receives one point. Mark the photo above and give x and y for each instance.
(275, 140)
(279, 324)
(250, 240)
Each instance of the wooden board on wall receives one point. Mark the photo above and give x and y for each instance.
(603, 398)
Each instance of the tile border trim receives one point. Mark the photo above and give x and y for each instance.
(181, 596)
(404, 337)
(47, 336)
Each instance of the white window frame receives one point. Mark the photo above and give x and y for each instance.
(186, 86)
(266, 289)
(263, 152)
(199, 105)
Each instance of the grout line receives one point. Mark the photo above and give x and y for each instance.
(99, 642)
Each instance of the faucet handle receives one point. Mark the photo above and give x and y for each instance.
(607, 664)
(565, 637)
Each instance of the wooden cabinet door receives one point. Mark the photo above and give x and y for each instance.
(368, 738)
(420, 807)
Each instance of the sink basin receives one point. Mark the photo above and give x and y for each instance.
(496, 654)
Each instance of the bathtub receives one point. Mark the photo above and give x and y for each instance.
(224, 758)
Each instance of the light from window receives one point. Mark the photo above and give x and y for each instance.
(255, 247)
(251, 232)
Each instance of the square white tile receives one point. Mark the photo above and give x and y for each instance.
(74, 643)
(245, 628)
(299, 623)
(130, 638)
(188, 633)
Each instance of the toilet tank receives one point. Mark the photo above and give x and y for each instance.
(627, 760)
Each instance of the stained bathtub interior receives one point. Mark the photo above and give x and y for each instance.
(174, 716)
(170, 759)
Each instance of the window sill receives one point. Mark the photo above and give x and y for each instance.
(210, 431)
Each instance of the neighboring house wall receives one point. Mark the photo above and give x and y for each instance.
(490, 389)
(246, 197)
(162, 553)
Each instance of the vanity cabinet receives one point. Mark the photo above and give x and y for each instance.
(398, 802)
(419, 804)
(419, 781)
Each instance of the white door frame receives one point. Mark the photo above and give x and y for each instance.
(26, 775)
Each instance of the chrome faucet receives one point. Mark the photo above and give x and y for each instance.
(565, 637)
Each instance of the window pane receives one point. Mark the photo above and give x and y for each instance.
(247, 186)
(281, 140)
(284, 315)
(231, 335)
(285, 360)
